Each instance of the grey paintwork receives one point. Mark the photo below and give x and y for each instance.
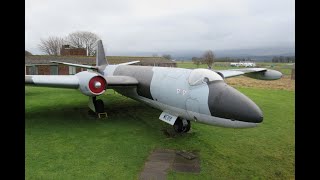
(256, 73)
(168, 89)
(143, 74)
(101, 57)
(265, 75)
(200, 95)
(63, 81)
(121, 81)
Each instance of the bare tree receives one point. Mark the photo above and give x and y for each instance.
(167, 56)
(155, 55)
(196, 61)
(83, 39)
(208, 58)
(51, 46)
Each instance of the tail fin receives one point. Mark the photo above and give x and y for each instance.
(100, 55)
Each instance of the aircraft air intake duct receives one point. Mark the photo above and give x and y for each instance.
(91, 83)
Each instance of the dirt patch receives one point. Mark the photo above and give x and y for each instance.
(285, 83)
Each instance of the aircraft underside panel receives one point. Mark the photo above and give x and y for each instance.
(192, 108)
(178, 112)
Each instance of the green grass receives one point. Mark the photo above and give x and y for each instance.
(63, 143)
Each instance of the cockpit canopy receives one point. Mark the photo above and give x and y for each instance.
(200, 76)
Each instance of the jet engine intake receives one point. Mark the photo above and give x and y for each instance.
(91, 83)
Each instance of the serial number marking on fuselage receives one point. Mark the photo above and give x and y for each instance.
(184, 92)
(167, 117)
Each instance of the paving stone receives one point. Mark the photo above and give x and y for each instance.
(157, 166)
(153, 175)
(181, 160)
(163, 157)
(164, 151)
(192, 168)
(162, 160)
(188, 155)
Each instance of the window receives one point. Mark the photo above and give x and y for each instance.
(201, 76)
(33, 70)
(54, 70)
(72, 70)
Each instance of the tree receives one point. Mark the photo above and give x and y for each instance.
(167, 56)
(51, 46)
(196, 61)
(288, 59)
(83, 39)
(155, 55)
(280, 59)
(275, 59)
(27, 53)
(208, 58)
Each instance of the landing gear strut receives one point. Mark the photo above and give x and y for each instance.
(97, 106)
(182, 125)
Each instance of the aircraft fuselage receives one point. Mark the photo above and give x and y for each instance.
(199, 95)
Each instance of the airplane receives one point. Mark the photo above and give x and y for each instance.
(183, 95)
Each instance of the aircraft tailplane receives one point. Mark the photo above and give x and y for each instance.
(100, 55)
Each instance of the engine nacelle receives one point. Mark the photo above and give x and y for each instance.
(91, 83)
(266, 75)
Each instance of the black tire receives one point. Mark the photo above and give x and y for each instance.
(178, 126)
(187, 128)
(99, 106)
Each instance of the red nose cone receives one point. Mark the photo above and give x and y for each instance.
(97, 84)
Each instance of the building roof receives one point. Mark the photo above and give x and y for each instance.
(45, 59)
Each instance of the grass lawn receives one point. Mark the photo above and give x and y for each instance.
(62, 142)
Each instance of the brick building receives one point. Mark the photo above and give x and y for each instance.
(41, 65)
(67, 50)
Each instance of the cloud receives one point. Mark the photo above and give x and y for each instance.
(144, 25)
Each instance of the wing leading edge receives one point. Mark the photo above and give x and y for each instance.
(256, 73)
(73, 81)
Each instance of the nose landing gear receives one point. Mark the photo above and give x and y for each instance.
(182, 125)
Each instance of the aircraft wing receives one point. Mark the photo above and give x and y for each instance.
(128, 63)
(256, 73)
(76, 65)
(237, 72)
(74, 81)
(63, 81)
(90, 67)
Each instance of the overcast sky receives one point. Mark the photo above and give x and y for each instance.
(165, 25)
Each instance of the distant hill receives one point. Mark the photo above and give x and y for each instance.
(259, 54)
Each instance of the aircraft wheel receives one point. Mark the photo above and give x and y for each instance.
(99, 106)
(178, 126)
(182, 126)
(187, 127)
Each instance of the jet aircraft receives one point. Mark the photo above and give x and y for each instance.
(183, 95)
